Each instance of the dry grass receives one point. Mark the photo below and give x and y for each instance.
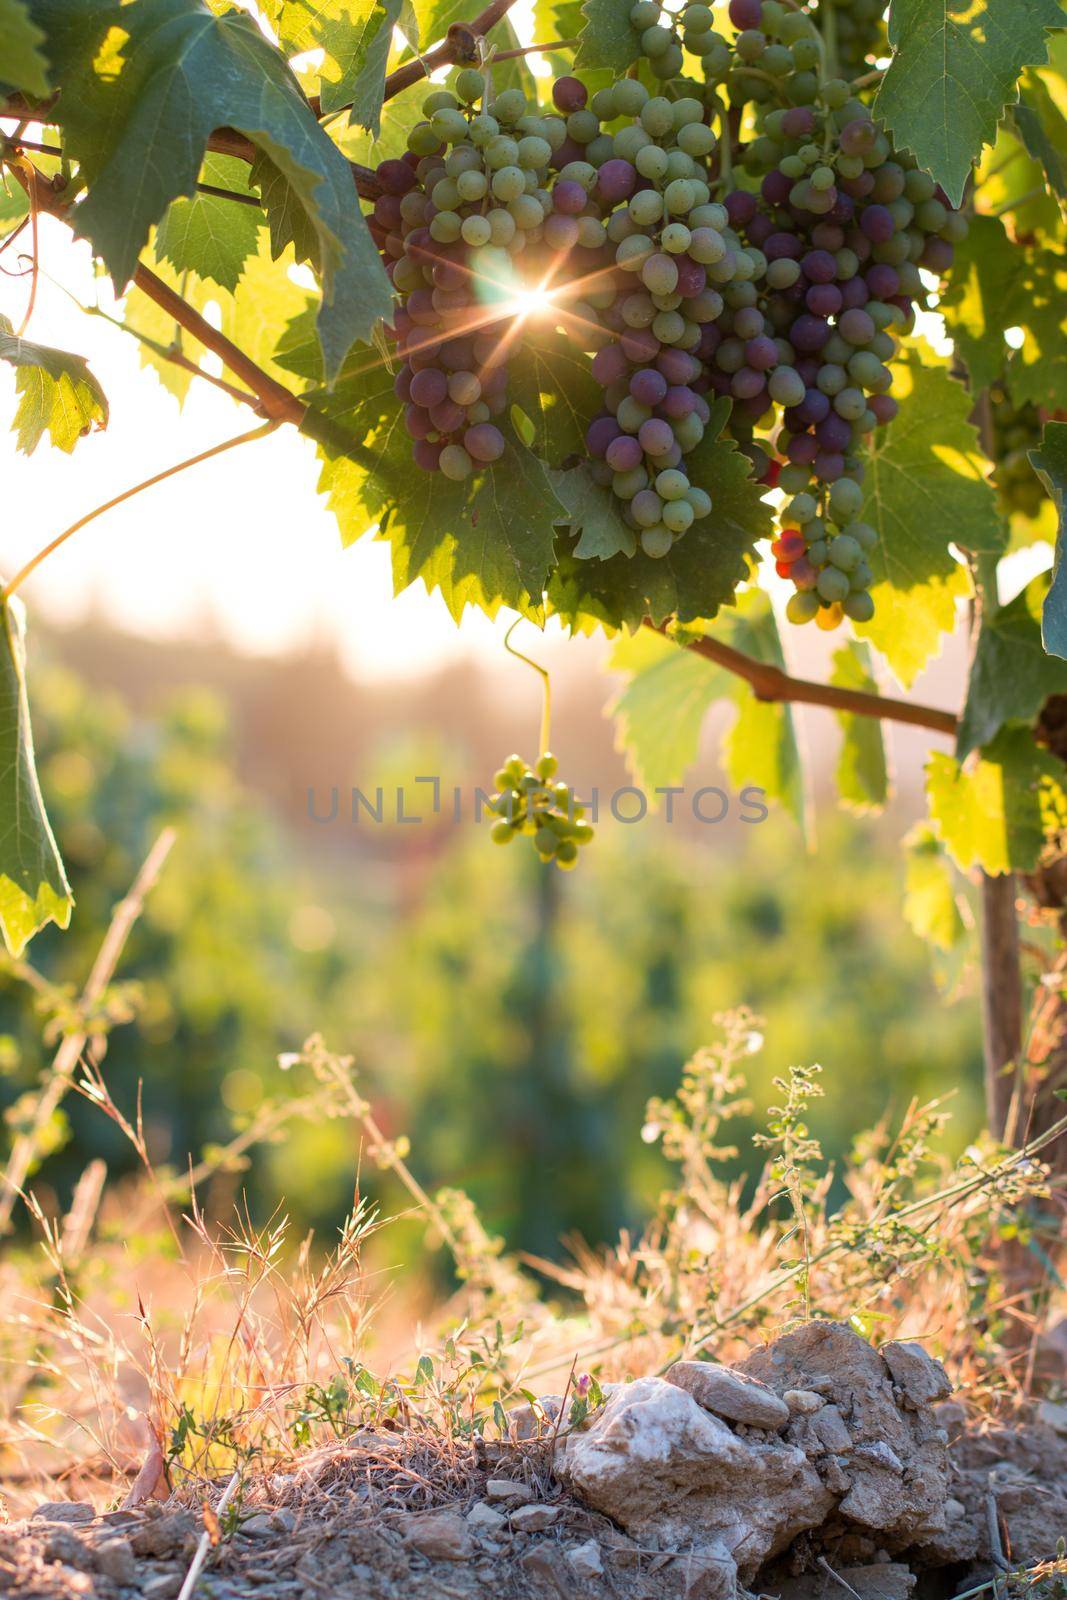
(140, 1334)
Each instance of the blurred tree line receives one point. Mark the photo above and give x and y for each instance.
(511, 1022)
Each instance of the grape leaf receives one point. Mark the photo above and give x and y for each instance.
(1043, 129)
(698, 575)
(357, 36)
(33, 885)
(998, 284)
(1050, 462)
(208, 235)
(609, 38)
(953, 72)
(660, 712)
(58, 393)
(1011, 676)
(549, 378)
(996, 810)
(145, 84)
(862, 770)
(594, 514)
(925, 488)
(931, 905)
(761, 748)
(23, 64)
(486, 541)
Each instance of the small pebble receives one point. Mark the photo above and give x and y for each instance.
(64, 1511)
(533, 1519)
(508, 1490)
(802, 1402)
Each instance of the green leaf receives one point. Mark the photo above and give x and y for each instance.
(609, 38)
(1050, 463)
(761, 748)
(208, 235)
(661, 711)
(998, 284)
(1011, 676)
(1043, 129)
(954, 70)
(23, 64)
(549, 377)
(926, 488)
(58, 393)
(931, 905)
(701, 572)
(357, 40)
(996, 810)
(33, 885)
(485, 542)
(862, 770)
(145, 84)
(594, 514)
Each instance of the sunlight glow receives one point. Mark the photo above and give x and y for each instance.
(532, 302)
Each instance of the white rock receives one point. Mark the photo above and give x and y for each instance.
(585, 1559)
(803, 1402)
(484, 1520)
(533, 1519)
(730, 1394)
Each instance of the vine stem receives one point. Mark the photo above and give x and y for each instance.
(546, 704)
(127, 494)
(769, 682)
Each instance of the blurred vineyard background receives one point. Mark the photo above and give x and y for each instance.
(512, 1022)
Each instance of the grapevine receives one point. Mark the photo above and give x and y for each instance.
(783, 290)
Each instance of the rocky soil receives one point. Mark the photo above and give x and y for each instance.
(819, 1467)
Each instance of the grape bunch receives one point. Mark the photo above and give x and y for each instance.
(530, 802)
(1017, 429)
(467, 198)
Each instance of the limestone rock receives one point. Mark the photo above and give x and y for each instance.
(585, 1560)
(533, 1518)
(508, 1491)
(484, 1520)
(923, 1380)
(440, 1535)
(730, 1394)
(673, 1475)
(802, 1402)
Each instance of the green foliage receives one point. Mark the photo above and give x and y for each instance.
(1050, 462)
(953, 72)
(208, 235)
(1011, 676)
(862, 769)
(608, 37)
(926, 489)
(931, 900)
(58, 393)
(23, 64)
(996, 810)
(146, 84)
(33, 884)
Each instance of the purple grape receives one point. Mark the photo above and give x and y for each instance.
(827, 236)
(599, 435)
(402, 384)
(938, 255)
(746, 13)
(648, 386)
(679, 402)
(484, 442)
(449, 275)
(417, 422)
(809, 333)
(701, 407)
(623, 453)
(458, 355)
(678, 366)
(560, 233)
(396, 177)
(425, 355)
(616, 180)
(833, 432)
(740, 205)
(808, 367)
(692, 278)
(569, 197)
(746, 383)
(761, 353)
(447, 417)
(609, 364)
(819, 266)
(710, 338)
(569, 94)
(829, 465)
(640, 344)
(860, 245)
(857, 137)
(775, 189)
(781, 246)
(387, 212)
(798, 123)
(672, 456)
(568, 151)
(655, 436)
(842, 210)
(878, 224)
(823, 299)
(854, 293)
(802, 449)
(857, 326)
(812, 409)
(883, 281)
(759, 229)
(427, 453)
(884, 407)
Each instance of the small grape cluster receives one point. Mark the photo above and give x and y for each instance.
(530, 802)
(468, 196)
(1017, 429)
